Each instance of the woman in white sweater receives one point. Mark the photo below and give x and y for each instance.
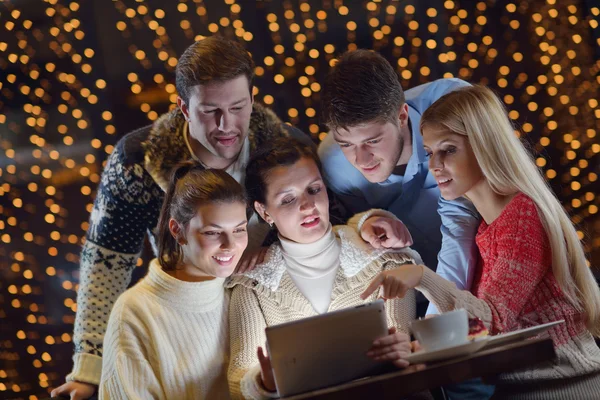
(167, 336)
(314, 268)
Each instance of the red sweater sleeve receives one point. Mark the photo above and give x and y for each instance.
(522, 259)
(516, 259)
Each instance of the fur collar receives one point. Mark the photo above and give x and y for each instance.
(355, 256)
(165, 146)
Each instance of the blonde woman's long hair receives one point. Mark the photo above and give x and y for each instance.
(477, 113)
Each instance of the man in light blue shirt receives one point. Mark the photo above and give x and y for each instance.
(373, 157)
(372, 160)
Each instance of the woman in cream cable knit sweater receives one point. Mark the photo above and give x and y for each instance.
(314, 269)
(533, 268)
(167, 337)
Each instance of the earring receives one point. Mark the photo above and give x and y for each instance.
(182, 242)
(270, 224)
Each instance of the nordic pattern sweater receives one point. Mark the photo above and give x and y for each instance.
(126, 208)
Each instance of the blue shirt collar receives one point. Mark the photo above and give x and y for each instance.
(418, 157)
(415, 162)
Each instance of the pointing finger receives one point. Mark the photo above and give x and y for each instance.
(373, 285)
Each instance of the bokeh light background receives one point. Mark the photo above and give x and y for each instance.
(75, 76)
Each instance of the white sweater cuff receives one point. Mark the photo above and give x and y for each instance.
(252, 388)
(87, 368)
(447, 297)
(437, 290)
(359, 219)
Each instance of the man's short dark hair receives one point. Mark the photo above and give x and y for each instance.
(214, 58)
(362, 87)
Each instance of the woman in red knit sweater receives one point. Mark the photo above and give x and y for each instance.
(533, 268)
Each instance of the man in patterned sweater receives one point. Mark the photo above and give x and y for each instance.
(217, 124)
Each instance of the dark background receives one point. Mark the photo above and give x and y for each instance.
(77, 76)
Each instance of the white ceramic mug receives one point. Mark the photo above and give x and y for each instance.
(445, 330)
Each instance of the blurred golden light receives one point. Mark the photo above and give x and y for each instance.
(268, 99)
(61, 109)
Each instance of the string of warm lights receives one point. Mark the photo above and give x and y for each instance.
(59, 122)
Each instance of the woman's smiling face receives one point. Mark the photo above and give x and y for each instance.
(215, 240)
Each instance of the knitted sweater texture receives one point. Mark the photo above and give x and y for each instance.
(126, 208)
(267, 296)
(167, 339)
(516, 289)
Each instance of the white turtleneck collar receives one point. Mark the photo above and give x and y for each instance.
(313, 266)
(187, 296)
(312, 260)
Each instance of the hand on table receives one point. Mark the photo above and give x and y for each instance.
(385, 232)
(394, 347)
(75, 390)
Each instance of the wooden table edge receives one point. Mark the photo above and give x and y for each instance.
(534, 351)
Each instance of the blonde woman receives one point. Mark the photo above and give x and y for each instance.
(533, 268)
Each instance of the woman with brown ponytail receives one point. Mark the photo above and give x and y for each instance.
(168, 336)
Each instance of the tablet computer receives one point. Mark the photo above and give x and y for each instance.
(327, 349)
